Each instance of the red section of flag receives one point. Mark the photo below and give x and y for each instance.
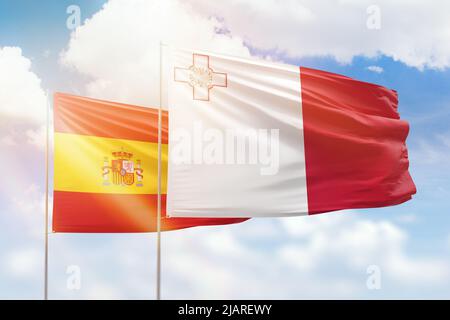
(92, 117)
(118, 213)
(355, 149)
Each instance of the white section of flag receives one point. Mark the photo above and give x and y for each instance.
(217, 104)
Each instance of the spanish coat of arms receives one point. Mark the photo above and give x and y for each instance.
(122, 170)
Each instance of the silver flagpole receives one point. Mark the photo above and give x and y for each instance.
(46, 197)
(158, 222)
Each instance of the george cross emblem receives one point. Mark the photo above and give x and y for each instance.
(200, 77)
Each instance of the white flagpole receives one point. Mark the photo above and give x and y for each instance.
(158, 222)
(46, 197)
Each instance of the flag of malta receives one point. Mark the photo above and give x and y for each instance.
(253, 138)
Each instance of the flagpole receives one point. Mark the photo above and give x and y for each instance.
(46, 198)
(158, 222)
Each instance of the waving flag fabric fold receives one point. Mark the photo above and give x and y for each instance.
(105, 168)
(257, 139)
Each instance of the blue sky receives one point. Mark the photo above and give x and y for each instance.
(122, 266)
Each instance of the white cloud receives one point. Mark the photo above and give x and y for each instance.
(119, 266)
(376, 69)
(118, 48)
(30, 201)
(37, 137)
(22, 263)
(23, 105)
(307, 257)
(28, 209)
(360, 242)
(8, 140)
(21, 95)
(339, 29)
(327, 258)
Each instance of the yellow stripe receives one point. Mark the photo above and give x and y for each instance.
(79, 162)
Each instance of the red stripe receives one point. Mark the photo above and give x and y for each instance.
(355, 149)
(85, 116)
(115, 213)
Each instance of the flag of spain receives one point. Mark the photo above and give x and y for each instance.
(106, 168)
